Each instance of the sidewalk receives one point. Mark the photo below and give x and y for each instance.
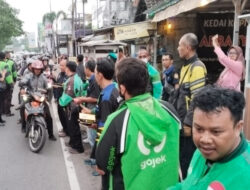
(79, 175)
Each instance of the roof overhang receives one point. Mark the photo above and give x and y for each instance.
(180, 7)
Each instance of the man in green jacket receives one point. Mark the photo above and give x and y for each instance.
(10, 85)
(8, 81)
(139, 146)
(222, 158)
(72, 89)
(154, 85)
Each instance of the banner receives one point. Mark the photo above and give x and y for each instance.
(222, 24)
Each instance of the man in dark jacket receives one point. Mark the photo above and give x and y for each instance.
(170, 76)
(58, 91)
(192, 79)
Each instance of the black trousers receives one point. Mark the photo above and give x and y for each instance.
(2, 96)
(48, 119)
(7, 99)
(187, 149)
(63, 118)
(74, 130)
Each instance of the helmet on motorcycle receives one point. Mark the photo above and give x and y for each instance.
(37, 65)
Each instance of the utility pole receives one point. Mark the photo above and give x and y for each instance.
(97, 23)
(83, 16)
(73, 27)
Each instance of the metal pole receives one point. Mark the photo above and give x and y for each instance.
(155, 49)
(83, 16)
(73, 28)
(247, 80)
(97, 14)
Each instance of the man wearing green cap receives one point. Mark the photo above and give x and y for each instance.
(139, 146)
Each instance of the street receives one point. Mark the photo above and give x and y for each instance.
(52, 168)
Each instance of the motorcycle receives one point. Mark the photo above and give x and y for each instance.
(34, 115)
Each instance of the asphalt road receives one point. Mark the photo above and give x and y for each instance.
(52, 168)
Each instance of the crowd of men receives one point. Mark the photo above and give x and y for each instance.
(151, 132)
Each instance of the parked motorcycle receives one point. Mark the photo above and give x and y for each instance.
(34, 115)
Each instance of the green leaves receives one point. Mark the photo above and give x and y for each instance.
(50, 17)
(10, 25)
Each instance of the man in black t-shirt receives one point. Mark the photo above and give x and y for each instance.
(93, 92)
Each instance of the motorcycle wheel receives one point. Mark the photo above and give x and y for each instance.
(37, 142)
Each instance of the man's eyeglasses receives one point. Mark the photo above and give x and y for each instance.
(231, 53)
(166, 59)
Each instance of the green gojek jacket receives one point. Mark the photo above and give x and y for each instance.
(8, 75)
(139, 146)
(231, 173)
(72, 88)
(12, 68)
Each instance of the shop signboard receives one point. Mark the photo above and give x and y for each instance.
(222, 24)
(133, 31)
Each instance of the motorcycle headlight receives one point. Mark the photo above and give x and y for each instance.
(25, 97)
(42, 99)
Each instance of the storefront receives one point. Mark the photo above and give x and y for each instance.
(137, 35)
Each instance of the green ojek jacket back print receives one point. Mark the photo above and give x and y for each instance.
(151, 150)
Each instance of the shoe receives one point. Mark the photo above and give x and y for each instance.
(2, 124)
(52, 138)
(2, 121)
(67, 144)
(90, 162)
(74, 151)
(95, 173)
(61, 134)
(10, 114)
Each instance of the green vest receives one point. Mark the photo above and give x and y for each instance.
(72, 88)
(12, 69)
(8, 75)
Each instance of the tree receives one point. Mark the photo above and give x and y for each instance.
(10, 25)
(239, 7)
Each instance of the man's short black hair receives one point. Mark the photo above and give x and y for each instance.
(106, 66)
(90, 64)
(120, 50)
(2, 55)
(133, 74)
(72, 66)
(214, 99)
(170, 55)
(80, 58)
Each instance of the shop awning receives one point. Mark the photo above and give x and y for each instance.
(176, 7)
(133, 31)
(102, 43)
